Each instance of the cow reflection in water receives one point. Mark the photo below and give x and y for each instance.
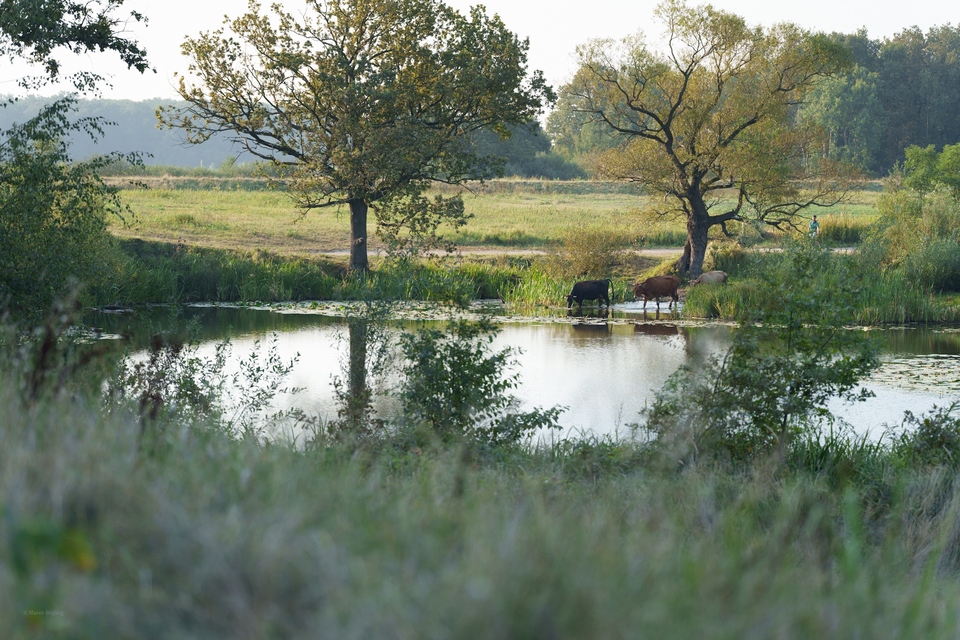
(656, 329)
(591, 328)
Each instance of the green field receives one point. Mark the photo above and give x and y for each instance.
(506, 215)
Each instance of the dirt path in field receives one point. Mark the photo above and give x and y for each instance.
(659, 253)
(505, 251)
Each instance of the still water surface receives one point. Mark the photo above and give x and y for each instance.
(603, 370)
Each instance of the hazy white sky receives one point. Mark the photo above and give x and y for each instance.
(554, 28)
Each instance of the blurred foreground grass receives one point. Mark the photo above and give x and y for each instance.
(208, 535)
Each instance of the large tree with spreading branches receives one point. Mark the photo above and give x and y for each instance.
(363, 103)
(707, 120)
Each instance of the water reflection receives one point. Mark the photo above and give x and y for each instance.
(605, 369)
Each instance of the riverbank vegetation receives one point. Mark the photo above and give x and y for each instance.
(128, 522)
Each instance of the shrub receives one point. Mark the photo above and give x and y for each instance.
(588, 253)
(931, 439)
(53, 213)
(457, 388)
(790, 355)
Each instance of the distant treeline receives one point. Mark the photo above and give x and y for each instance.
(899, 92)
(133, 128)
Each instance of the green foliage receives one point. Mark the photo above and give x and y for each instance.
(848, 108)
(409, 225)
(918, 237)
(360, 100)
(902, 91)
(931, 439)
(37, 30)
(526, 153)
(457, 388)
(948, 169)
(577, 134)
(919, 76)
(934, 266)
(52, 213)
(791, 354)
(920, 169)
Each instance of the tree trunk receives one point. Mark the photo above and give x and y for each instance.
(695, 249)
(358, 235)
(683, 265)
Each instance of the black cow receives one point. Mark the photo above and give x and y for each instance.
(589, 290)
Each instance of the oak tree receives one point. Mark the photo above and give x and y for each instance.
(362, 102)
(707, 120)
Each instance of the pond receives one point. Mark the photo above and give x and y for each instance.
(604, 370)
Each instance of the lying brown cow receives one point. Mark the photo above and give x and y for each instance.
(710, 277)
(658, 287)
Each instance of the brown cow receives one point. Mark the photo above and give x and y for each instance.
(658, 287)
(710, 277)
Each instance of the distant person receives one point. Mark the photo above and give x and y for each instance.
(814, 228)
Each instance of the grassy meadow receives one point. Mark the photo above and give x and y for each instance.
(507, 214)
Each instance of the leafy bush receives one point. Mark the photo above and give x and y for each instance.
(588, 253)
(52, 212)
(790, 355)
(931, 439)
(457, 388)
(173, 383)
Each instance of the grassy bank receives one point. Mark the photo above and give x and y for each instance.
(151, 272)
(138, 272)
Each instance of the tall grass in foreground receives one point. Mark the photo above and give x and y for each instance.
(218, 537)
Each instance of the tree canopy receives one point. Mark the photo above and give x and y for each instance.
(365, 102)
(40, 31)
(708, 119)
(902, 91)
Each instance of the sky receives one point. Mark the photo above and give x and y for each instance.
(554, 29)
